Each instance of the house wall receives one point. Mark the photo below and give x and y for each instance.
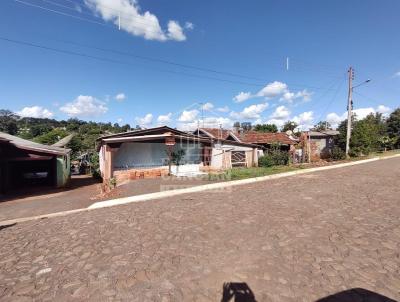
(148, 155)
(63, 170)
(221, 156)
(321, 147)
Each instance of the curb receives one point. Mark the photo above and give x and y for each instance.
(159, 195)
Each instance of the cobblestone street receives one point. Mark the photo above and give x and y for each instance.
(300, 238)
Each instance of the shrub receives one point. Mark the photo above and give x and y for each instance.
(274, 157)
(338, 153)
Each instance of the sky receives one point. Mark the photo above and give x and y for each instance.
(189, 63)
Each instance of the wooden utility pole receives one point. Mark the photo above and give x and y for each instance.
(349, 110)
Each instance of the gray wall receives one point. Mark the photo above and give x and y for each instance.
(141, 155)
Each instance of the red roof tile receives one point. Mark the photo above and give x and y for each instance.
(254, 137)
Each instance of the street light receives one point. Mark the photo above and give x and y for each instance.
(350, 108)
(365, 82)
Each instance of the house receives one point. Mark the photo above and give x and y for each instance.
(145, 153)
(322, 143)
(264, 140)
(24, 163)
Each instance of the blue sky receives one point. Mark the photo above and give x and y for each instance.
(250, 39)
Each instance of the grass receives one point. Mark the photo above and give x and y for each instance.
(242, 173)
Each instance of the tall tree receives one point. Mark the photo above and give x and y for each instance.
(8, 122)
(266, 128)
(393, 127)
(289, 125)
(322, 126)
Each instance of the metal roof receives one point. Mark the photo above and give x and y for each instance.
(32, 146)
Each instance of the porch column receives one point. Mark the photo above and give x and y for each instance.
(108, 162)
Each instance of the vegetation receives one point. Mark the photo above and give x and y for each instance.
(49, 131)
(289, 126)
(242, 173)
(322, 126)
(274, 157)
(266, 128)
(370, 134)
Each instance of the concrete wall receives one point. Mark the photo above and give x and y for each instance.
(221, 156)
(147, 155)
(63, 170)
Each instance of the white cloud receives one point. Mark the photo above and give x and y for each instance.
(189, 25)
(280, 113)
(273, 89)
(278, 122)
(242, 96)
(251, 112)
(397, 74)
(164, 119)
(120, 97)
(175, 31)
(134, 21)
(120, 120)
(188, 116)
(84, 106)
(304, 120)
(208, 106)
(223, 109)
(210, 122)
(291, 96)
(35, 111)
(383, 109)
(145, 121)
(334, 119)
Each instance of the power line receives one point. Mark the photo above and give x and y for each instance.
(295, 69)
(73, 53)
(82, 19)
(90, 14)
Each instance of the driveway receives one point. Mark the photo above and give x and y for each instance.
(81, 193)
(302, 238)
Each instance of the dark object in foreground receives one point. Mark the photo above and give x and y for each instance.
(237, 292)
(356, 294)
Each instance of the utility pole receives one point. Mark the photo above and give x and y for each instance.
(349, 110)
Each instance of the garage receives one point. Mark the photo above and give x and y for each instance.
(26, 165)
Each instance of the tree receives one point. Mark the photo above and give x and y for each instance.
(322, 126)
(366, 134)
(246, 126)
(266, 128)
(393, 127)
(289, 125)
(8, 122)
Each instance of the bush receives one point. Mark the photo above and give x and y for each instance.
(338, 153)
(274, 157)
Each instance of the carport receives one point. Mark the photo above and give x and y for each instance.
(25, 164)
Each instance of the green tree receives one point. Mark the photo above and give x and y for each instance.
(8, 122)
(322, 126)
(266, 128)
(393, 127)
(289, 125)
(366, 134)
(51, 137)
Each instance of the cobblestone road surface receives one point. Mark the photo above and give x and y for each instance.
(294, 239)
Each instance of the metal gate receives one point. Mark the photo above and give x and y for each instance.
(238, 158)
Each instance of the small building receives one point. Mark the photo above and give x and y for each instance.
(322, 143)
(145, 153)
(24, 163)
(264, 140)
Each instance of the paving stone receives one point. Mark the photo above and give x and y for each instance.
(293, 239)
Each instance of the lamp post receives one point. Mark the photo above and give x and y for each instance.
(350, 107)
